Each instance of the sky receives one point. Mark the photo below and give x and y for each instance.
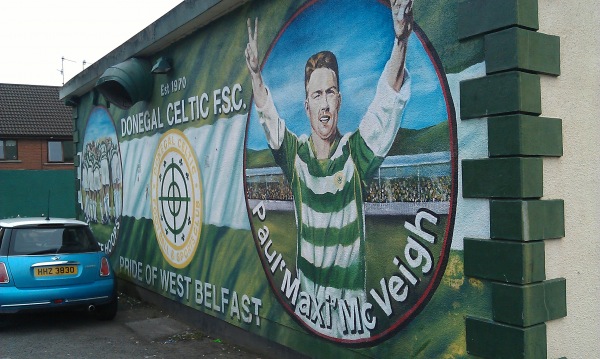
(36, 34)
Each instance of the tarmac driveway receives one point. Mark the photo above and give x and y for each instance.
(139, 331)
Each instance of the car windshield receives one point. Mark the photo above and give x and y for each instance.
(52, 240)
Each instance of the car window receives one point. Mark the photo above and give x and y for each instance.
(32, 241)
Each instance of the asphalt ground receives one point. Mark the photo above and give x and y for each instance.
(140, 330)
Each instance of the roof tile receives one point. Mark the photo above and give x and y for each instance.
(33, 110)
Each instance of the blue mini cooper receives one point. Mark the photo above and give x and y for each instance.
(53, 264)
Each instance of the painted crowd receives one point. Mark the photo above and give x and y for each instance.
(406, 189)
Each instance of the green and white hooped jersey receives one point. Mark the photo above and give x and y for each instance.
(329, 211)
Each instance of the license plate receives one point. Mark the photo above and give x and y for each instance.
(54, 271)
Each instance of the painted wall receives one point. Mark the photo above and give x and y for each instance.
(574, 97)
(191, 201)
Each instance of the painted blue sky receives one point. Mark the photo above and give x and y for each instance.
(361, 35)
(99, 125)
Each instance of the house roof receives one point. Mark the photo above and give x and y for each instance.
(33, 110)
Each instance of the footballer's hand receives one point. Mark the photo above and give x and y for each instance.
(252, 48)
(403, 18)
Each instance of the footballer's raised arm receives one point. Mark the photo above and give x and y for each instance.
(403, 25)
(251, 53)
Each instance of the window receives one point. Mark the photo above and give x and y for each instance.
(52, 240)
(8, 150)
(60, 151)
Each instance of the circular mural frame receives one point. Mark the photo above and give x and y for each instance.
(396, 294)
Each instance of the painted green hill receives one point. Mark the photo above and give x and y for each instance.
(408, 142)
(429, 139)
(259, 158)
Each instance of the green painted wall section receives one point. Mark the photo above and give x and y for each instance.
(503, 177)
(520, 49)
(527, 220)
(494, 340)
(524, 135)
(495, 15)
(499, 94)
(536, 303)
(505, 261)
(26, 193)
(509, 99)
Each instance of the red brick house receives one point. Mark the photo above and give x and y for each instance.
(36, 129)
(36, 152)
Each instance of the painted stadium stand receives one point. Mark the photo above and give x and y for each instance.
(401, 186)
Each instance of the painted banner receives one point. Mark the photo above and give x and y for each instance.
(297, 173)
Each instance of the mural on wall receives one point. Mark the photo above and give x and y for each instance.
(296, 172)
(101, 195)
(322, 183)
